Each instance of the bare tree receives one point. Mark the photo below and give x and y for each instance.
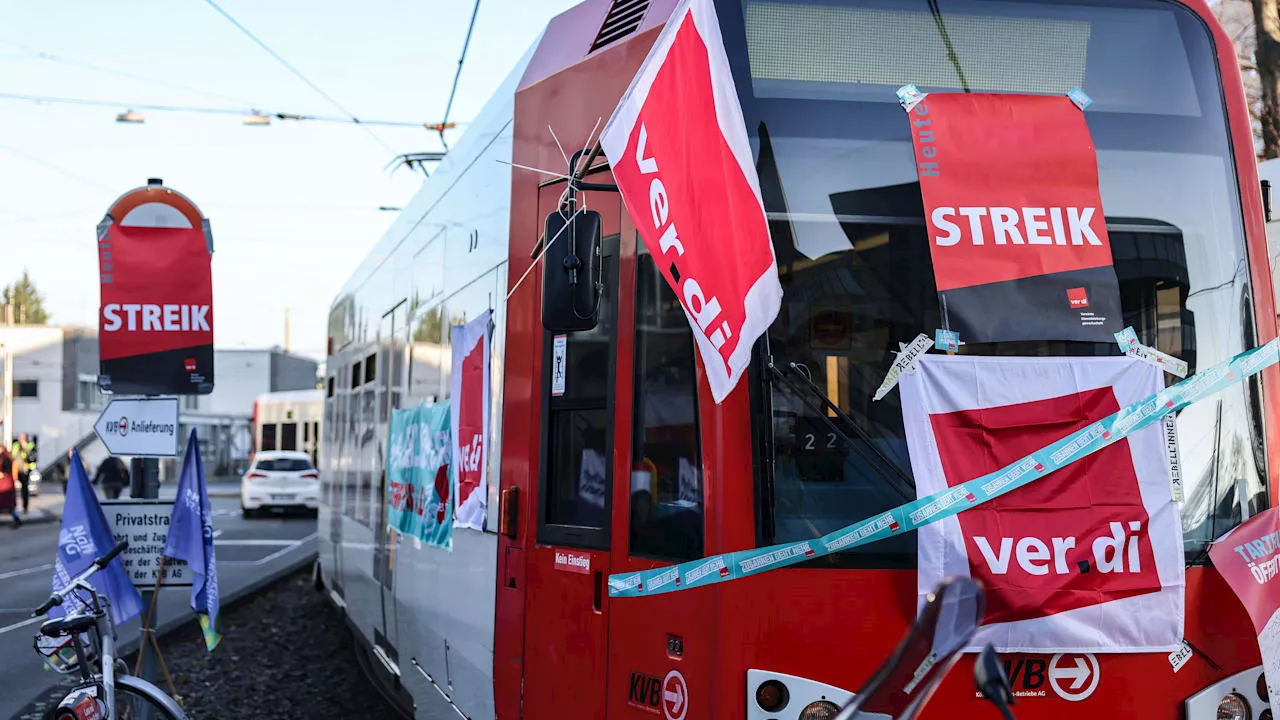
(1266, 20)
(1237, 18)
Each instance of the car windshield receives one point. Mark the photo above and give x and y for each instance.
(838, 179)
(284, 464)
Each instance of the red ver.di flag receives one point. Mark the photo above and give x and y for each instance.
(678, 146)
(155, 323)
(469, 395)
(1249, 560)
(1086, 559)
(1016, 228)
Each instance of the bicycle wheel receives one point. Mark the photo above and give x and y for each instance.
(135, 704)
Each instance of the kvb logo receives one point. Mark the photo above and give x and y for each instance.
(1074, 676)
(645, 692)
(675, 696)
(1027, 676)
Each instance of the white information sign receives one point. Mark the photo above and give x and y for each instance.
(145, 524)
(559, 358)
(140, 427)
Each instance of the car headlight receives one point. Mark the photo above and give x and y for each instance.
(1234, 707)
(819, 710)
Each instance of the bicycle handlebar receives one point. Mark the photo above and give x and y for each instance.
(106, 559)
(53, 601)
(56, 598)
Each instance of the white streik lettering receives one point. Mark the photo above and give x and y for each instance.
(1015, 226)
(1004, 223)
(155, 318)
(705, 310)
(112, 314)
(1031, 217)
(132, 311)
(171, 321)
(941, 222)
(151, 318)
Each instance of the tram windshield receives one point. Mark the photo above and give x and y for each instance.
(817, 79)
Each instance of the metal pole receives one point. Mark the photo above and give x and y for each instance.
(144, 483)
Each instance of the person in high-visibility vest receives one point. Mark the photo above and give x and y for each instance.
(8, 503)
(23, 450)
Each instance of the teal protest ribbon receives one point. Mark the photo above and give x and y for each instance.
(949, 502)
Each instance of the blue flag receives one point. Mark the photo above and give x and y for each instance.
(85, 537)
(191, 539)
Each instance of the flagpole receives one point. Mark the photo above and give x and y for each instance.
(148, 617)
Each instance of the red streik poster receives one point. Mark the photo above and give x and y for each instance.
(155, 321)
(1249, 560)
(678, 146)
(1015, 220)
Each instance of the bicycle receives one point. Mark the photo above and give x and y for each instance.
(106, 691)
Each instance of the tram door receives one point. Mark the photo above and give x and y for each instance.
(567, 601)
(391, 349)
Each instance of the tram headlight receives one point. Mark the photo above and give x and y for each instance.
(820, 710)
(772, 696)
(1234, 707)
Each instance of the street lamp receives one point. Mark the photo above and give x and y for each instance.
(130, 116)
(257, 118)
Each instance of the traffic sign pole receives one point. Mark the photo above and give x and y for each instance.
(145, 480)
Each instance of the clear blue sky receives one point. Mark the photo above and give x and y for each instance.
(294, 206)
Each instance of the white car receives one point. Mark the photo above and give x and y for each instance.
(280, 480)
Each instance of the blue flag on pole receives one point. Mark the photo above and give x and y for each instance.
(191, 539)
(85, 537)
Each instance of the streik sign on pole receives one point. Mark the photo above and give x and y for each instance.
(155, 321)
(678, 146)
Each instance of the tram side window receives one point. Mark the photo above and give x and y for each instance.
(579, 427)
(289, 436)
(666, 473)
(269, 437)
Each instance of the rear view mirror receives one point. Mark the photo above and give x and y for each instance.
(902, 686)
(571, 270)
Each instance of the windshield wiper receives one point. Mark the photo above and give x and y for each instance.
(895, 479)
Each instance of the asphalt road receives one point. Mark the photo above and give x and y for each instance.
(249, 552)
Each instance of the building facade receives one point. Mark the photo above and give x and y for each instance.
(56, 398)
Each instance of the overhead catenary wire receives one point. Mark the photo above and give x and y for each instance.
(52, 99)
(55, 168)
(466, 43)
(71, 62)
(297, 73)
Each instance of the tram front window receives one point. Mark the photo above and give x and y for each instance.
(834, 155)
